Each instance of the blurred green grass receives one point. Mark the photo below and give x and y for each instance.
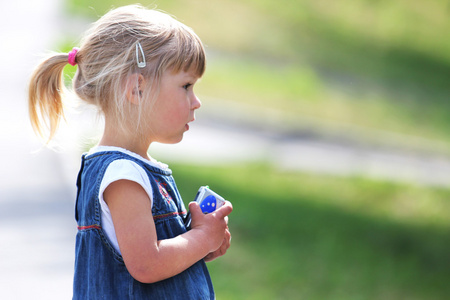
(373, 64)
(302, 236)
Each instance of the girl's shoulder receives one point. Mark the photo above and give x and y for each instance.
(152, 163)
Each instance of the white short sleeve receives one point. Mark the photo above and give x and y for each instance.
(118, 170)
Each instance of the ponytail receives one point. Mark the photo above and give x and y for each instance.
(45, 95)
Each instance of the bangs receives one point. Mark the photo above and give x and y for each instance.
(187, 54)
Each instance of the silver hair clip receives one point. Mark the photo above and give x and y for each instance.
(141, 64)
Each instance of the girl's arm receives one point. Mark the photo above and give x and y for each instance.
(147, 259)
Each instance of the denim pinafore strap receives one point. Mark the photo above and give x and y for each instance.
(100, 271)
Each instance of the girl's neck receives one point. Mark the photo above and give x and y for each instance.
(119, 138)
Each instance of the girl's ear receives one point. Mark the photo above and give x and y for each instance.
(134, 88)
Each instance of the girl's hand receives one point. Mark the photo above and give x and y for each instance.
(223, 248)
(214, 226)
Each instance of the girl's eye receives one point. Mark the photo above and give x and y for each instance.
(186, 86)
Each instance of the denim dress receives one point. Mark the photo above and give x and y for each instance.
(100, 271)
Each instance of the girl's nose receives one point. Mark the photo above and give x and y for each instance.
(196, 103)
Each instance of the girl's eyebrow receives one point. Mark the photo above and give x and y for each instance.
(190, 78)
(191, 74)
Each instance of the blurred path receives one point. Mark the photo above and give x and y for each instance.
(225, 132)
(36, 197)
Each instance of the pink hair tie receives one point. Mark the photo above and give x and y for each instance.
(73, 56)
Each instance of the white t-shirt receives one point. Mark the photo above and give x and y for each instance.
(118, 170)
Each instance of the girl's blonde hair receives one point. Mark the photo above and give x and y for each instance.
(107, 58)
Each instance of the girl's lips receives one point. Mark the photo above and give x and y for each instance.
(187, 125)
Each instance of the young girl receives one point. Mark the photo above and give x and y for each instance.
(138, 67)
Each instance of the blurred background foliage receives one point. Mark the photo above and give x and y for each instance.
(305, 236)
(368, 64)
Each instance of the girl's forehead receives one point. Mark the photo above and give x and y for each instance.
(190, 74)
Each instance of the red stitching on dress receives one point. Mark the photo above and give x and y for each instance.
(169, 215)
(95, 226)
